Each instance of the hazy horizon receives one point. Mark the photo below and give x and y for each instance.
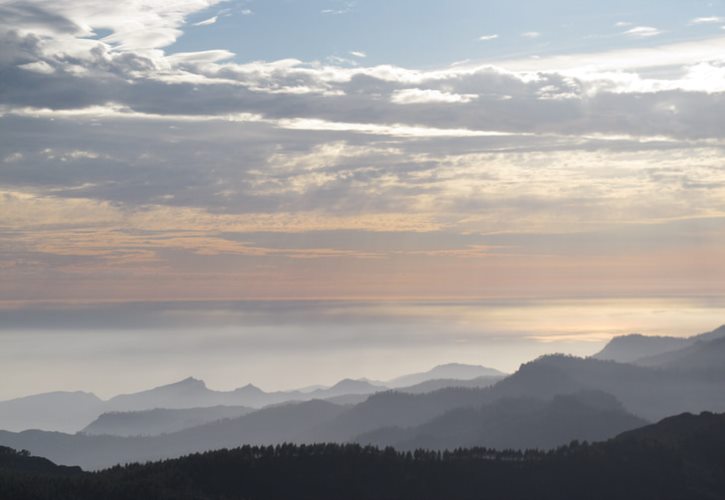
(280, 345)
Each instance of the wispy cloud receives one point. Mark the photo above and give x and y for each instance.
(207, 22)
(643, 32)
(486, 38)
(358, 53)
(531, 34)
(708, 20)
(349, 6)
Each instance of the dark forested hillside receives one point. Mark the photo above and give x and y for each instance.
(21, 462)
(679, 458)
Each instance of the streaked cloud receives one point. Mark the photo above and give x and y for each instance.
(207, 22)
(486, 38)
(642, 32)
(423, 96)
(708, 20)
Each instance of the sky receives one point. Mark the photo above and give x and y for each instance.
(295, 155)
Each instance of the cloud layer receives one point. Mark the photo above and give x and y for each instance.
(127, 168)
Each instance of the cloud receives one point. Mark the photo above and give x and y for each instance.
(642, 32)
(426, 96)
(707, 20)
(113, 142)
(358, 53)
(486, 38)
(13, 157)
(348, 7)
(38, 67)
(207, 22)
(531, 34)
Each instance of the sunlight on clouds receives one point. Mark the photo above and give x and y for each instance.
(419, 96)
(131, 160)
(397, 129)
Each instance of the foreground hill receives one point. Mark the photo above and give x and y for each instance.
(21, 462)
(678, 458)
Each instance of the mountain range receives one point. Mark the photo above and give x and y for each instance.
(544, 404)
(75, 411)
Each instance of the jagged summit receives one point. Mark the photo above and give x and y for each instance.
(457, 371)
(248, 389)
(189, 382)
(350, 383)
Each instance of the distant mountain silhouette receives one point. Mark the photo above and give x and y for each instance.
(456, 371)
(437, 384)
(676, 459)
(347, 387)
(292, 422)
(645, 392)
(422, 388)
(160, 420)
(63, 411)
(521, 423)
(629, 348)
(390, 409)
(193, 393)
(187, 393)
(718, 333)
(703, 355)
(649, 393)
(635, 347)
(73, 411)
